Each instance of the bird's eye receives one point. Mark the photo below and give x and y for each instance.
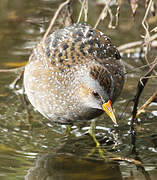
(96, 94)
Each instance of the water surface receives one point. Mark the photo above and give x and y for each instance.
(39, 150)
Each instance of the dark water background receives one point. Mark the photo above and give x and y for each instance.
(44, 152)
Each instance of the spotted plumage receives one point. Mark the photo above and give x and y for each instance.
(65, 70)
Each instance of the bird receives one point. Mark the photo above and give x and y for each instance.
(76, 74)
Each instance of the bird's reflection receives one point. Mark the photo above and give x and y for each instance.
(70, 161)
(52, 166)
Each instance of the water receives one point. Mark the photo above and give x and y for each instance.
(30, 147)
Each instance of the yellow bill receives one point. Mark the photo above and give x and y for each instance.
(107, 107)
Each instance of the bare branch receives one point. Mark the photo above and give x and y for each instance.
(54, 19)
(86, 11)
(130, 160)
(12, 70)
(135, 44)
(117, 15)
(147, 34)
(134, 6)
(85, 8)
(82, 7)
(102, 16)
(107, 10)
(140, 87)
(146, 104)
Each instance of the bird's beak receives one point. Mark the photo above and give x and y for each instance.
(107, 107)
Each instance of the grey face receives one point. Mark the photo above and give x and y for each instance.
(90, 91)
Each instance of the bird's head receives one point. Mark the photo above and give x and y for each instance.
(96, 98)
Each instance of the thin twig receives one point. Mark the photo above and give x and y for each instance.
(67, 16)
(86, 11)
(135, 44)
(149, 77)
(17, 79)
(82, 7)
(111, 18)
(141, 109)
(13, 69)
(130, 160)
(54, 19)
(107, 10)
(117, 15)
(102, 16)
(130, 45)
(133, 69)
(147, 34)
(140, 87)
